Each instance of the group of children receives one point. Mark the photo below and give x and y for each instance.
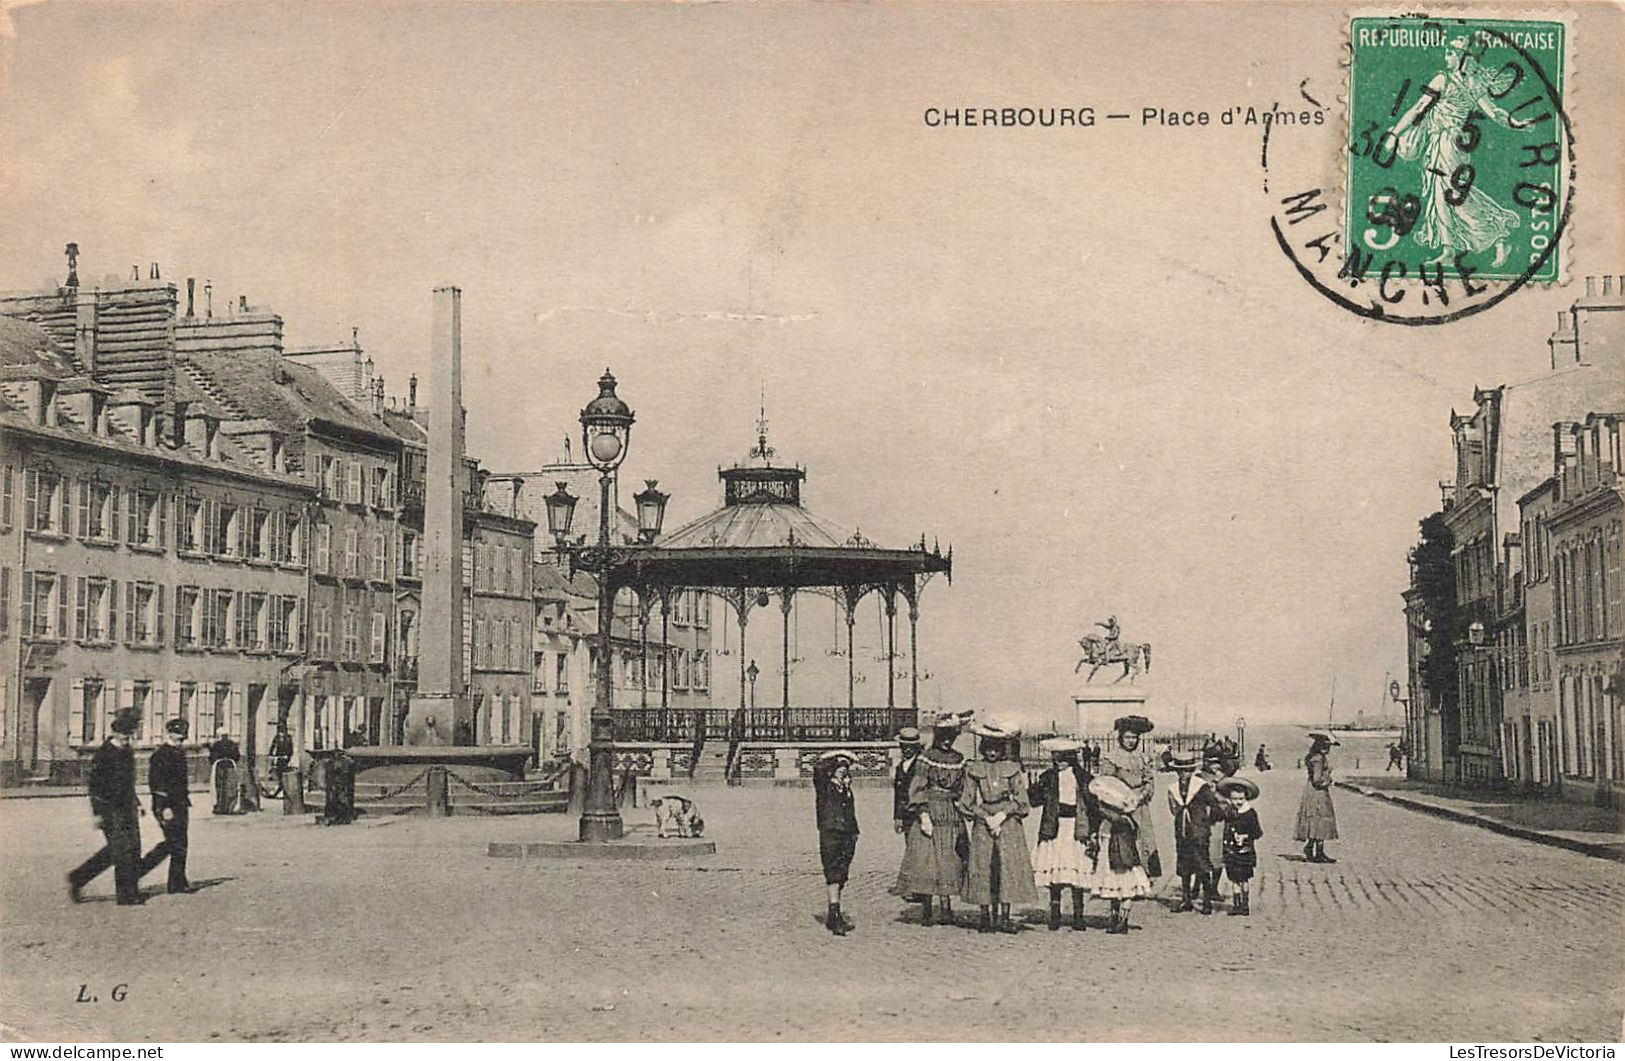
(964, 837)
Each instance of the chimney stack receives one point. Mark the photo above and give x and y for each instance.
(135, 274)
(1591, 287)
(1607, 286)
(208, 299)
(412, 392)
(72, 251)
(191, 293)
(154, 272)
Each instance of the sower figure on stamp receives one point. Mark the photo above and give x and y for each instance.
(171, 805)
(999, 872)
(116, 813)
(1431, 132)
(1068, 820)
(837, 829)
(935, 844)
(902, 816)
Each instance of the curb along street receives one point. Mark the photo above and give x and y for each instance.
(1614, 851)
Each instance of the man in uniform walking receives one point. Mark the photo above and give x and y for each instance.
(171, 805)
(116, 813)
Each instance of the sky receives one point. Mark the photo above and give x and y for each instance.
(1075, 355)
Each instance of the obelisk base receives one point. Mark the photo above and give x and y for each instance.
(433, 720)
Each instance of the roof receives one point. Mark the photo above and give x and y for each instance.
(552, 581)
(24, 345)
(71, 430)
(287, 394)
(759, 524)
(1523, 447)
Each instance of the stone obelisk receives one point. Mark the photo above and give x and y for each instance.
(439, 710)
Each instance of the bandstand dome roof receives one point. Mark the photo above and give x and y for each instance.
(763, 537)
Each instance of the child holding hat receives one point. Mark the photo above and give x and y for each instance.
(837, 829)
(1119, 875)
(1241, 833)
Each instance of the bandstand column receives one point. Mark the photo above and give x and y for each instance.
(891, 649)
(914, 656)
(665, 654)
(742, 677)
(643, 651)
(786, 602)
(851, 660)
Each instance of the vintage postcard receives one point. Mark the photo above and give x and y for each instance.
(762, 522)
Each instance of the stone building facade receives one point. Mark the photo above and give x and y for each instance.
(1504, 451)
(1530, 733)
(148, 559)
(1588, 613)
(273, 558)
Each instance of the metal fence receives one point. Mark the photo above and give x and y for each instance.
(793, 725)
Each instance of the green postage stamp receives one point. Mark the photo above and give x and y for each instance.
(1458, 147)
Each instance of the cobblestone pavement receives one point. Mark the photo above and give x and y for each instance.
(404, 929)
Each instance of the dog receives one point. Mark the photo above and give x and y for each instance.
(677, 816)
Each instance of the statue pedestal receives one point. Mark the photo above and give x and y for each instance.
(1099, 706)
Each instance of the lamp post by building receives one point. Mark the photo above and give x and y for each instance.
(606, 432)
(751, 672)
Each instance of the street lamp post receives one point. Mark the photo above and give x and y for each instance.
(751, 672)
(606, 431)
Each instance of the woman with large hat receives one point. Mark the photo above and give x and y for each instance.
(1317, 821)
(1130, 761)
(994, 801)
(934, 841)
(1119, 875)
(1067, 821)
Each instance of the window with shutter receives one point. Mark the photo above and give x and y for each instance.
(77, 712)
(79, 611)
(6, 480)
(25, 607)
(109, 629)
(60, 590)
(379, 637)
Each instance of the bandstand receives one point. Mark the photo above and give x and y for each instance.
(760, 549)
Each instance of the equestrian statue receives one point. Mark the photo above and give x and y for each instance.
(1109, 649)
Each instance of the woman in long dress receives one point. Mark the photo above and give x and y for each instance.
(1128, 760)
(1432, 135)
(994, 802)
(1068, 817)
(1119, 875)
(933, 865)
(1317, 821)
